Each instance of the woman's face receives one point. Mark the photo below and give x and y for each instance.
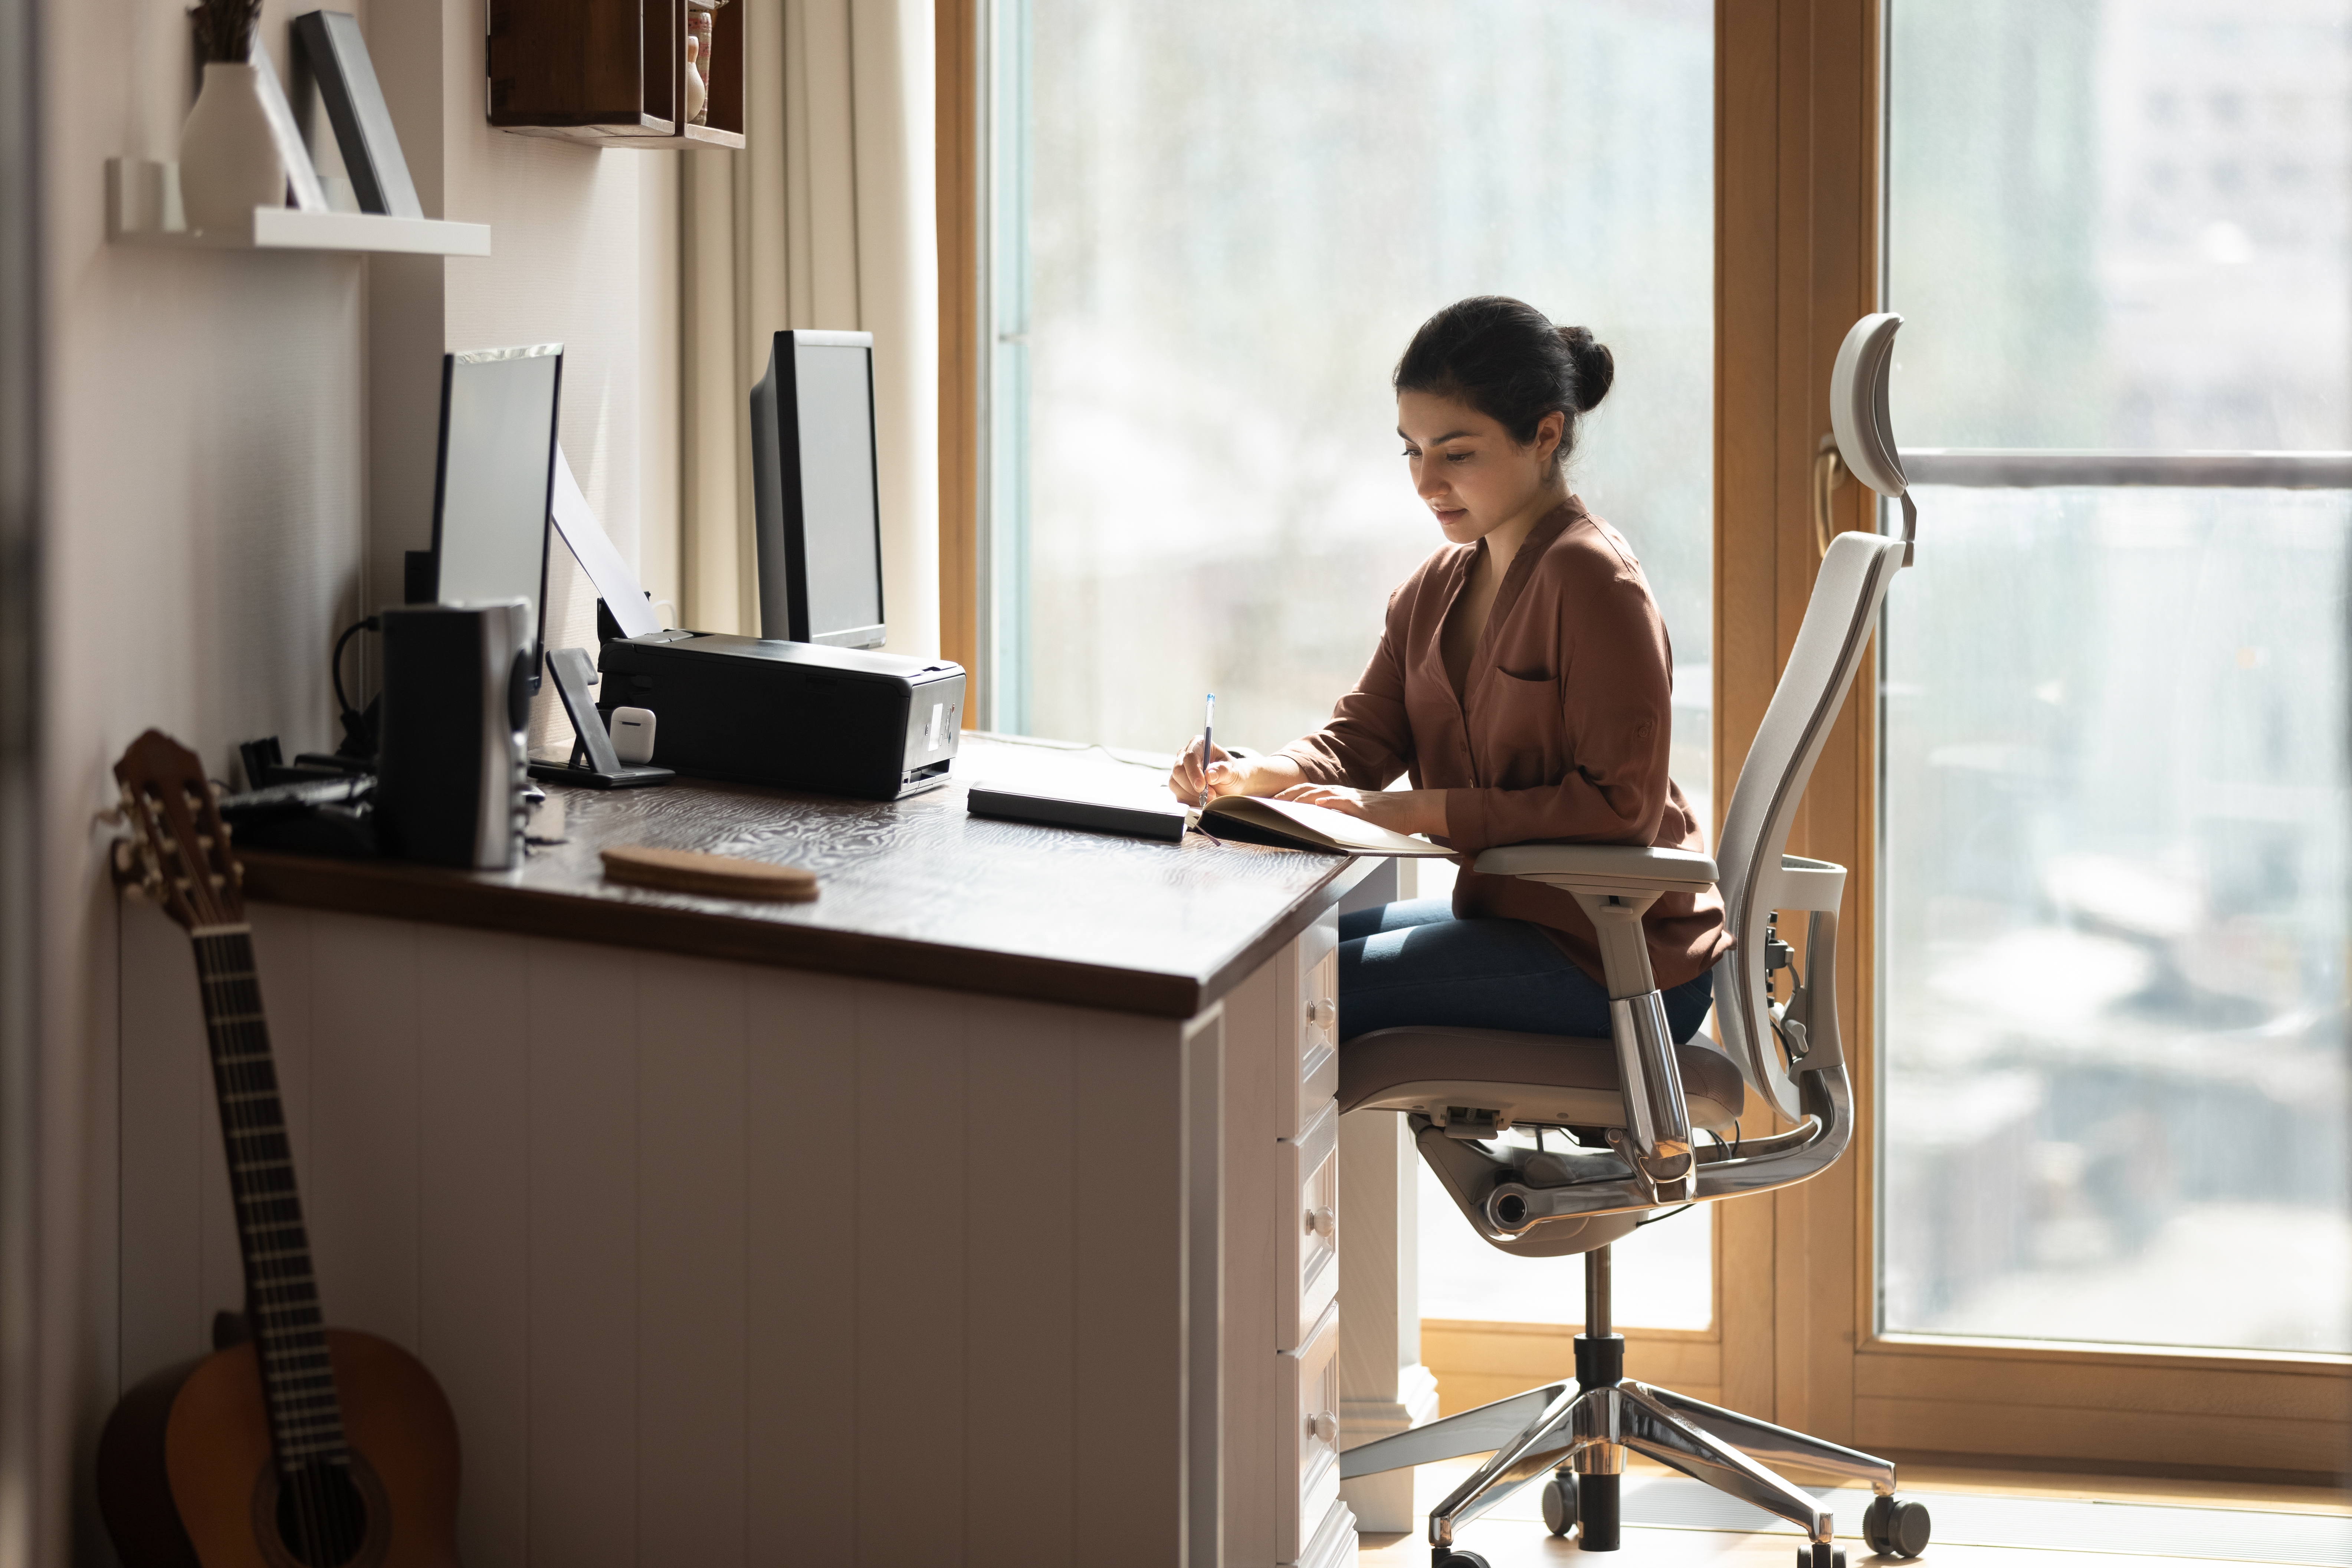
(1468, 470)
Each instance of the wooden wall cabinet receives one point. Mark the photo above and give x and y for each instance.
(611, 72)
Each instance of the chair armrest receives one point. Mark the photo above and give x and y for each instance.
(1602, 868)
(1615, 884)
(1818, 886)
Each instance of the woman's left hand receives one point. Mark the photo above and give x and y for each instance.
(1398, 810)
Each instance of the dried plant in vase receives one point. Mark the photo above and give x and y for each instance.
(225, 30)
(230, 162)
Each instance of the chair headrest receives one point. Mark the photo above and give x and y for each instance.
(1858, 404)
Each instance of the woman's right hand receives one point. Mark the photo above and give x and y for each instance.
(1223, 775)
(1193, 775)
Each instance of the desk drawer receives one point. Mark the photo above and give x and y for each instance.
(1312, 1413)
(1309, 1260)
(1319, 1036)
(1319, 1085)
(1319, 1005)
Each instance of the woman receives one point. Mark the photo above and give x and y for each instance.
(1524, 683)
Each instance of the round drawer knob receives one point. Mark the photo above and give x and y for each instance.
(1324, 1427)
(1322, 1222)
(1323, 1014)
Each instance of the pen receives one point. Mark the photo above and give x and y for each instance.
(1207, 723)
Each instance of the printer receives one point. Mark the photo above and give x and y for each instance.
(826, 710)
(798, 715)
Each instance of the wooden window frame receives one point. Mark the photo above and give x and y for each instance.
(1799, 128)
(958, 102)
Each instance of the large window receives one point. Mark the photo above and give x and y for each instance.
(1214, 227)
(2115, 794)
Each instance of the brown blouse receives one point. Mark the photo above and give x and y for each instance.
(1561, 736)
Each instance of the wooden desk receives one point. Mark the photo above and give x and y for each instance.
(955, 1217)
(914, 891)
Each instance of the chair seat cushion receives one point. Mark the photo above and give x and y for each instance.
(1556, 1080)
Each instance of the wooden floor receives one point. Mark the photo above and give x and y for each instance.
(1514, 1537)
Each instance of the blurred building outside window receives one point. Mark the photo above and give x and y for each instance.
(2116, 884)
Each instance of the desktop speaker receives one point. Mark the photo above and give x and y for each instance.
(450, 766)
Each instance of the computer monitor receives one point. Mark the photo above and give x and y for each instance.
(492, 483)
(813, 484)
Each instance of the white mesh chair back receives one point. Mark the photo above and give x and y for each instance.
(1838, 620)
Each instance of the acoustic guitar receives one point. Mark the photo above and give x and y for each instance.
(304, 1446)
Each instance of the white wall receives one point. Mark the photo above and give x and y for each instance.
(234, 463)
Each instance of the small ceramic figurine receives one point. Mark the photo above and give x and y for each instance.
(697, 95)
(699, 24)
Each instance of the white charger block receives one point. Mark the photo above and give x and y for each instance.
(633, 735)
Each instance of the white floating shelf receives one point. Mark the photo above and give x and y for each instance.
(142, 207)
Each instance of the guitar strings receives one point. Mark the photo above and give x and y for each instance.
(256, 1137)
(330, 1519)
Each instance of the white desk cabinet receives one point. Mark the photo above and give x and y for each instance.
(729, 1259)
(1282, 1313)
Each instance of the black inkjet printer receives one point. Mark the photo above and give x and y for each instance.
(798, 715)
(823, 710)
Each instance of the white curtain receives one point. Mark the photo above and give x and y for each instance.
(825, 219)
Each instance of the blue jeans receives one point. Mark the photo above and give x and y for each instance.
(1415, 964)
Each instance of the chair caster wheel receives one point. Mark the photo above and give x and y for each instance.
(1445, 1557)
(1816, 1555)
(1559, 1502)
(1894, 1529)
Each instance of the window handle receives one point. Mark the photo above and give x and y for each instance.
(1829, 473)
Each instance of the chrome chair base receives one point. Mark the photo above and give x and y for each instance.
(1587, 1427)
(1590, 1429)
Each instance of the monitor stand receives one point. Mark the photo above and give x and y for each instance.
(604, 769)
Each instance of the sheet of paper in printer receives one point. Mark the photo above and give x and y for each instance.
(593, 548)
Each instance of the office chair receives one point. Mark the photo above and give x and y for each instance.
(1628, 1107)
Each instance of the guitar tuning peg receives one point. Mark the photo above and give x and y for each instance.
(110, 818)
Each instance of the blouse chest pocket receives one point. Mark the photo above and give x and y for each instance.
(1523, 731)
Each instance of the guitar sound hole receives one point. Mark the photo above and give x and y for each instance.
(321, 1516)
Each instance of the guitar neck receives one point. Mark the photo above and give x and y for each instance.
(281, 1294)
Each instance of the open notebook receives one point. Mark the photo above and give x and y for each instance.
(1254, 819)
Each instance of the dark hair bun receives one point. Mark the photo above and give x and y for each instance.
(1596, 367)
(1504, 358)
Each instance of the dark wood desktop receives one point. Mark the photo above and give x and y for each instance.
(915, 890)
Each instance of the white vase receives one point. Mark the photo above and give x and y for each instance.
(228, 158)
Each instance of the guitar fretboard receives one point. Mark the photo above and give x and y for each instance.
(281, 1295)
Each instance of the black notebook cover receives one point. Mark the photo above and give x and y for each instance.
(1141, 822)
